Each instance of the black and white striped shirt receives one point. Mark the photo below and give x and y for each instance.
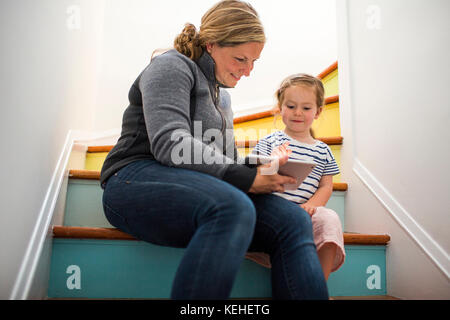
(319, 152)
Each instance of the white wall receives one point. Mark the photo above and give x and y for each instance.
(301, 38)
(394, 99)
(48, 87)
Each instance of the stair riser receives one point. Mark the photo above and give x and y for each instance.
(134, 269)
(243, 152)
(94, 160)
(84, 204)
(327, 125)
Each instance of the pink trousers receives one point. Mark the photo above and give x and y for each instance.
(327, 228)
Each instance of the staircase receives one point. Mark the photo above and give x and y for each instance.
(91, 259)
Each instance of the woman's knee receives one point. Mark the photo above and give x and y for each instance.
(232, 207)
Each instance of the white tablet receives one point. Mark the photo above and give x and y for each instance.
(298, 169)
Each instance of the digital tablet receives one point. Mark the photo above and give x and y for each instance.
(298, 169)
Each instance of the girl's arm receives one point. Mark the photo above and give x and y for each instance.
(321, 196)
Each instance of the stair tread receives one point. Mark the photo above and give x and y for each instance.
(327, 140)
(328, 70)
(374, 297)
(239, 143)
(115, 234)
(95, 175)
(270, 113)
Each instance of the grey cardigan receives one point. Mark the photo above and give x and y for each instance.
(179, 116)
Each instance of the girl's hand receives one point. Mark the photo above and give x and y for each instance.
(282, 151)
(267, 180)
(309, 208)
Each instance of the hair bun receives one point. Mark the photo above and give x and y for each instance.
(187, 42)
(190, 31)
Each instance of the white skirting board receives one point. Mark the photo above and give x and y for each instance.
(32, 278)
(430, 247)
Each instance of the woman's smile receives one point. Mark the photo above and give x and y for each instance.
(231, 63)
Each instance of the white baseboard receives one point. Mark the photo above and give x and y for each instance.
(35, 265)
(42, 229)
(428, 245)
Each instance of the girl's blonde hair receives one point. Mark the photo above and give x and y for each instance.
(301, 79)
(228, 23)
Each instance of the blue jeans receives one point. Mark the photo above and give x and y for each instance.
(217, 224)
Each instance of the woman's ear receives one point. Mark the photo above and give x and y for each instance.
(209, 47)
(319, 111)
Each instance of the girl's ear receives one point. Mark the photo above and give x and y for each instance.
(319, 111)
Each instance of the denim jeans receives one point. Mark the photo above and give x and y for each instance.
(217, 224)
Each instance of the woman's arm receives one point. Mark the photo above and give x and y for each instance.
(321, 196)
(166, 88)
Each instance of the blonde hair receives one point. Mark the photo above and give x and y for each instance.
(228, 23)
(305, 80)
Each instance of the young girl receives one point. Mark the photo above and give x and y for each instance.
(300, 101)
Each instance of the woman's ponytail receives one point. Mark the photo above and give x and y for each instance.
(188, 42)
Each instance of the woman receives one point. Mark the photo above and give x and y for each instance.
(170, 179)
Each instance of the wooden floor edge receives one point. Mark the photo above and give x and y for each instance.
(95, 175)
(68, 232)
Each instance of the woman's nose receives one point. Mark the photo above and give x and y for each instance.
(247, 69)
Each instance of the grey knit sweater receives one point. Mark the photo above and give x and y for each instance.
(179, 116)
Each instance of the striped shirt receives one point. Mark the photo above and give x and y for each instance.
(318, 152)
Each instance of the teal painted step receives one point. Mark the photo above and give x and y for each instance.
(85, 268)
(84, 204)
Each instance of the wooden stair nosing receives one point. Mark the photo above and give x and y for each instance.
(271, 112)
(94, 149)
(95, 175)
(326, 140)
(69, 232)
(328, 70)
(239, 144)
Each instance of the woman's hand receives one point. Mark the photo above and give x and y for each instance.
(267, 180)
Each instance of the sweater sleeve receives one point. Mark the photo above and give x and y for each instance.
(166, 87)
